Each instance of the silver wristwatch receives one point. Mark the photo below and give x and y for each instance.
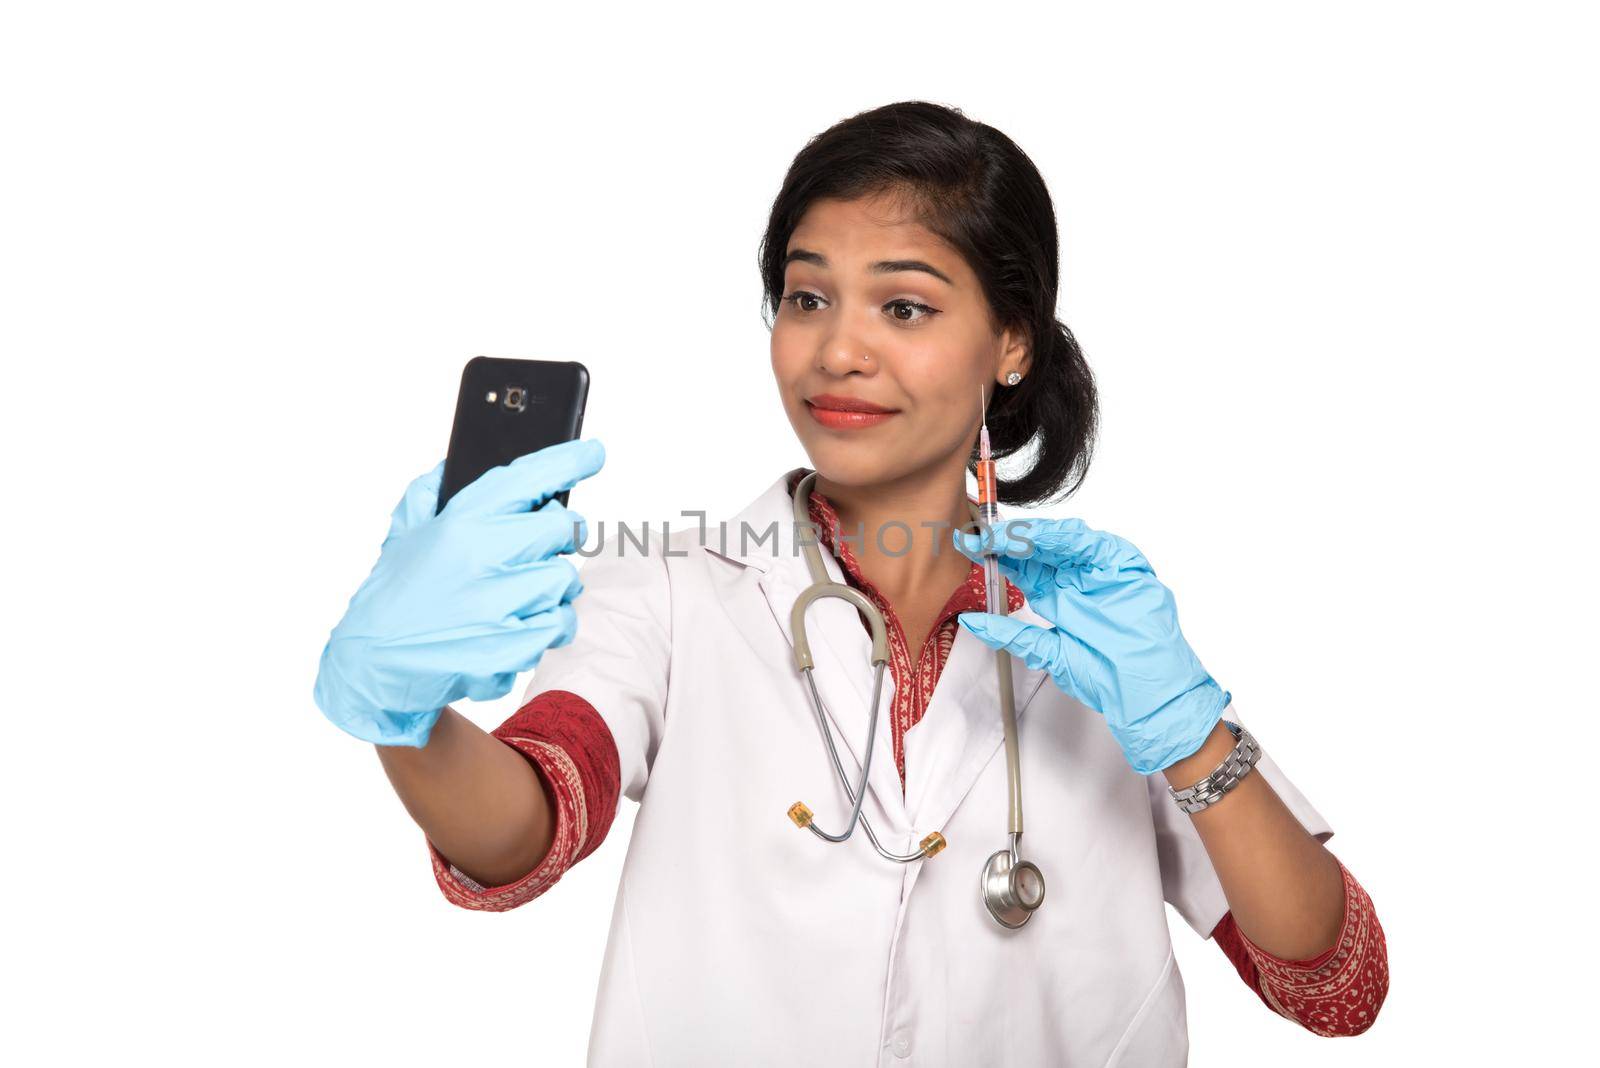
(1209, 790)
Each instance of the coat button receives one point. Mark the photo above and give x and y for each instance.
(901, 1044)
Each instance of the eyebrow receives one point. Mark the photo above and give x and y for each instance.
(881, 267)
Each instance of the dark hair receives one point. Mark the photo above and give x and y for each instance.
(972, 186)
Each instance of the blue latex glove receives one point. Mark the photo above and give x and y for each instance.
(1115, 646)
(460, 602)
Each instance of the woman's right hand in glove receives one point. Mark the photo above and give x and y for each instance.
(460, 602)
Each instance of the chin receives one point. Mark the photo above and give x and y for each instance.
(855, 464)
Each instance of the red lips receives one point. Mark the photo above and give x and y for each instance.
(846, 413)
(834, 402)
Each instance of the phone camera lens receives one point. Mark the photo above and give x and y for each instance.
(516, 398)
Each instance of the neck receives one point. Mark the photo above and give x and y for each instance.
(900, 530)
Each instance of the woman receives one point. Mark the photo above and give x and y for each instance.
(911, 264)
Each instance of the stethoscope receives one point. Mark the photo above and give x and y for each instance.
(1012, 887)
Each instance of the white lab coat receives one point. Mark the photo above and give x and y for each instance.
(738, 938)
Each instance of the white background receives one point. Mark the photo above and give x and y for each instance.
(1334, 267)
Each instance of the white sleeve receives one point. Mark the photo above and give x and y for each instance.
(619, 655)
(1188, 881)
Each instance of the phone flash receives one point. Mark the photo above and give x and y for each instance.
(492, 396)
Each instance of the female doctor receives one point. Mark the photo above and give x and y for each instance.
(910, 263)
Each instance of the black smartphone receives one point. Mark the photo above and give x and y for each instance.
(509, 408)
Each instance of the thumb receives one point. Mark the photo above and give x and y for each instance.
(419, 502)
(530, 480)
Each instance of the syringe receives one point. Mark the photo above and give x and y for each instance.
(989, 512)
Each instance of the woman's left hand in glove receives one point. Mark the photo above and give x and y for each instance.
(1115, 645)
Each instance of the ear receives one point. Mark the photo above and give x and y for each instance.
(1015, 355)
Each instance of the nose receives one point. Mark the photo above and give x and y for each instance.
(841, 356)
(844, 346)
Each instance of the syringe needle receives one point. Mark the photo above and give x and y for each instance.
(983, 425)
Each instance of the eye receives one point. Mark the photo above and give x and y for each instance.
(927, 312)
(921, 312)
(800, 295)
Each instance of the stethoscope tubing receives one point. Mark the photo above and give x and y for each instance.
(859, 794)
(1012, 888)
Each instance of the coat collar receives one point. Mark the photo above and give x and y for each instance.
(959, 734)
(742, 538)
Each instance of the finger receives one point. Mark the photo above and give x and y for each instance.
(1065, 542)
(1033, 645)
(548, 630)
(971, 545)
(1033, 577)
(1077, 556)
(500, 652)
(525, 537)
(1036, 579)
(529, 481)
(1074, 544)
(419, 502)
(489, 687)
(573, 588)
(1072, 664)
(540, 586)
(565, 625)
(1015, 538)
(1005, 537)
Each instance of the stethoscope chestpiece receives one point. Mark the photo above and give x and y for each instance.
(1012, 888)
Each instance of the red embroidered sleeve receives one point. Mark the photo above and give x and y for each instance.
(571, 749)
(1336, 993)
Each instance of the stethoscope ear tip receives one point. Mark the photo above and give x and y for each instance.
(800, 814)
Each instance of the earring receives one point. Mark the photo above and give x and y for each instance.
(1013, 378)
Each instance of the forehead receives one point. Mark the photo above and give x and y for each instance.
(867, 228)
